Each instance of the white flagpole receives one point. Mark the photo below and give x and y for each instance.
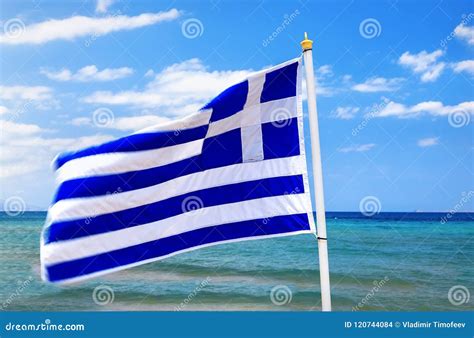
(317, 175)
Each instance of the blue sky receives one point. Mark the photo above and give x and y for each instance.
(395, 85)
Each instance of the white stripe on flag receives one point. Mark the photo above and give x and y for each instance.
(251, 132)
(198, 119)
(120, 162)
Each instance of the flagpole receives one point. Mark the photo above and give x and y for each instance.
(307, 46)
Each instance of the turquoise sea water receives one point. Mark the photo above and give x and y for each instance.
(391, 261)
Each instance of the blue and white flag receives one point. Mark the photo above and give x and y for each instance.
(236, 170)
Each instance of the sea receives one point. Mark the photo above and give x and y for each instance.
(385, 262)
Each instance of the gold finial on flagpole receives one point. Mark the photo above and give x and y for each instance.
(306, 43)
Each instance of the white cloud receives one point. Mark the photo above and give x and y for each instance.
(10, 128)
(25, 149)
(465, 33)
(80, 26)
(21, 99)
(424, 63)
(88, 73)
(35, 93)
(149, 73)
(321, 89)
(357, 148)
(434, 108)
(81, 121)
(324, 71)
(344, 113)
(433, 73)
(347, 78)
(103, 5)
(428, 142)
(464, 66)
(177, 90)
(378, 84)
(129, 123)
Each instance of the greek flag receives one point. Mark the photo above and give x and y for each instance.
(234, 171)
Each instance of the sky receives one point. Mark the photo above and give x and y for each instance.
(394, 86)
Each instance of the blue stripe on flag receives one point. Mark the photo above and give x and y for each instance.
(221, 150)
(174, 244)
(149, 213)
(145, 141)
(280, 83)
(218, 151)
(286, 132)
(229, 102)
